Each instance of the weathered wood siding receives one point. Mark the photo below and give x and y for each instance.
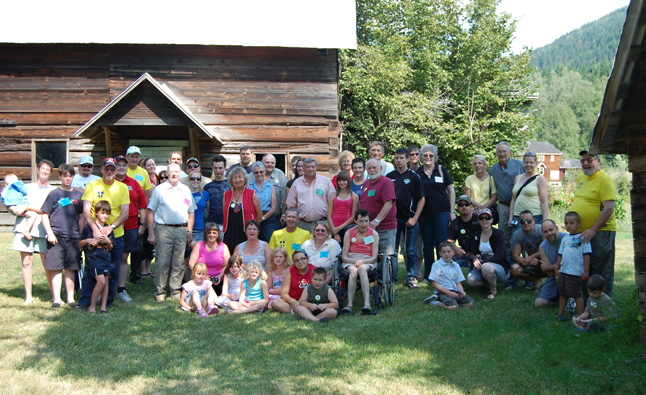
(280, 100)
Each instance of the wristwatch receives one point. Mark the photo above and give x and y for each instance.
(113, 227)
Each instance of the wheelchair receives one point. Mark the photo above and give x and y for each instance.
(382, 292)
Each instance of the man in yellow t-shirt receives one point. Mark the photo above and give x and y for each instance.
(291, 237)
(594, 201)
(133, 156)
(116, 193)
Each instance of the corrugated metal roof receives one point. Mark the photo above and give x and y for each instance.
(251, 23)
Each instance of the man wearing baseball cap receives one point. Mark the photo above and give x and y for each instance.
(462, 229)
(193, 165)
(133, 156)
(595, 189)
(115, 193)
(84, 175)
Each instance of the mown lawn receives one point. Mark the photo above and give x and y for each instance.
(503, 346)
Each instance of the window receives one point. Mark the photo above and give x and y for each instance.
(551, 158)
(53, 150)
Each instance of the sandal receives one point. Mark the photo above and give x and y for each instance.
(104, 311)
(366, 310)
(347, 310)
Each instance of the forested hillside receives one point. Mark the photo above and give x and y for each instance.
(571, 79)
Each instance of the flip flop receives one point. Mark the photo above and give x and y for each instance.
(74, 305)
(104, 311)
(347, 310)
(56, 305)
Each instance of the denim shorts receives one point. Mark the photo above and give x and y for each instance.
(499, 270)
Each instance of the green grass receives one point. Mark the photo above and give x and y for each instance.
(503, 346)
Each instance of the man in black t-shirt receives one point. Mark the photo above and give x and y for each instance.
(409, 201)
(462, 230)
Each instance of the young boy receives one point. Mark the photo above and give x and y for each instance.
(318, 302)
(573, 265)
(14, 193)
(446, 277)
(63, 221)
(600, 307)
(97, 256)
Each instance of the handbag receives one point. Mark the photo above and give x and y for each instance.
(494, 207)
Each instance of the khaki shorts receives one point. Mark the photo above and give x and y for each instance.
(36, 244)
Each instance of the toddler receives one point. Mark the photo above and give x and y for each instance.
(198, 294)
(231, 284)
(14, 193)
(254, 296)
(572, 265)
(600, 308)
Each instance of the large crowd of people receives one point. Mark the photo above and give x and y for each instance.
(248, 238)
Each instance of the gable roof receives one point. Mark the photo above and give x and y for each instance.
(251, 23)
(607, 135)
(86, 130)
(543, 147)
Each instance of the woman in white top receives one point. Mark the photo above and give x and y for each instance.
(322, 249)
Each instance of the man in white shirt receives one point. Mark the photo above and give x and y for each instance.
(84, 174)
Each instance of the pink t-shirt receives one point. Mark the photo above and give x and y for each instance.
(214, 261)
(373, 196)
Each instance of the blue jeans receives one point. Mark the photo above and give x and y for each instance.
(88, 283)
(513, 281)
(434, 228)
(410, 238)
(267, 228)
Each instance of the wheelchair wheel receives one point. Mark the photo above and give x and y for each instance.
(387, 282)
(337, 283)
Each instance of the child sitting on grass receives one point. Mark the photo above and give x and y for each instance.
(277, 267)
(14, 193)
(600, 308)
(573, 265)
(254, 296)
(231, 284)
(446, 277)
(198, 294)
(318, 302)
(97, 256)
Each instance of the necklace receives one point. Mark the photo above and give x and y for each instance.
(235, 203)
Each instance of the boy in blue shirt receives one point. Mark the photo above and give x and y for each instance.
(446, 277)
(573, 265)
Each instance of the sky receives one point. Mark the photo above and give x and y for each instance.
(542, 22)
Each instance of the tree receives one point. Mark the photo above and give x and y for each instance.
(434, 71)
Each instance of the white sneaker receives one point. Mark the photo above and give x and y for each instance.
(123, 295)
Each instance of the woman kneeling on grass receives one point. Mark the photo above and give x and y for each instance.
(254, 295)
(297, 278)
(487, 255)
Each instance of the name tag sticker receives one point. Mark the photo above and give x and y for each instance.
(369, 240)
(139, 177)
(371, 193)
(439, 179)
(325, 254)
(187, 202)
(296, 246)
(65, 202)
(319, 192)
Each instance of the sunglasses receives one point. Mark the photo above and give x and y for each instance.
(87, 166)
(163, 178)
(320, 230)
(526, 221)
(428, 156)
(463, 204)
(196, 178)
(485, 218)
(304, 259)
(414, 154)
(193, 166)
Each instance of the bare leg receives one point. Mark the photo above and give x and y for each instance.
(56, 281)
(104, 294)
(70, 277)
(352, 284)
(580, 308)
(489, 275)
(365, 284)
(27, 259)
(281, 306)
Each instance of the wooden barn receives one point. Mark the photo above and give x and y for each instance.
(238, 75)
(621, 129)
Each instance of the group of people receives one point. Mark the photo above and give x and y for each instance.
(230, 241)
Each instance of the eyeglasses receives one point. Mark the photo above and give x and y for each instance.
(196, 178)
(526, 221)
(485, 218)
(428, 156)
(413, 154)
(320, 230)
(192, 166)
(588, 160)
(300, 260)
(109, 168)
(463, 204)
(87, 166)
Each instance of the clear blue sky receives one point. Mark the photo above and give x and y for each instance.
(542, 22)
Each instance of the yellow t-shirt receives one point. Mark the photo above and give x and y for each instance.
(116, 194)
(291, 241)
(480, 189)
(590, 192)
(141, 176)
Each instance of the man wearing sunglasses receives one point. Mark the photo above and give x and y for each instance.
(84, 175)
(525, 251)
(192, 165)
(462, 229)
(594, 200)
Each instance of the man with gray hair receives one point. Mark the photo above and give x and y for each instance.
(278, 180)
(504, 173)
(310, 194)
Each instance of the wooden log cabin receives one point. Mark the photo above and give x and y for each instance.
(620, 129)
(277, 93)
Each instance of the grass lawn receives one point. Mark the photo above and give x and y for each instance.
(502, 346)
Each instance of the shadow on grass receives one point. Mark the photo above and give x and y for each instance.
(500, 346)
